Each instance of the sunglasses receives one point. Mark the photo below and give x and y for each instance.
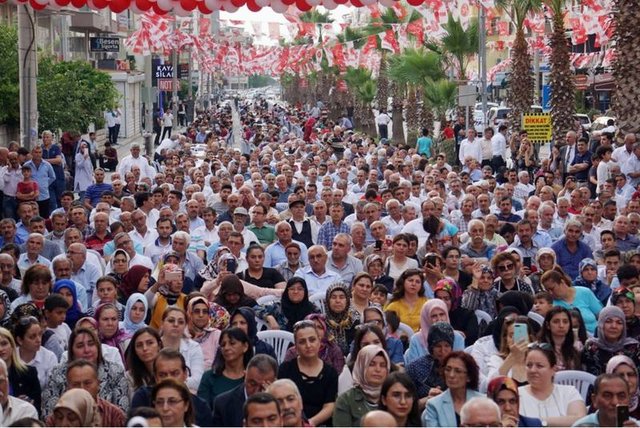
(504, 268)
(543, 346)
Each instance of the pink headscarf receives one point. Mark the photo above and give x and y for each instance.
(425, 317)
(363, 360)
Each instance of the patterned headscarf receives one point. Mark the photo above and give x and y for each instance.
(425, 317)
(450, 286)
(616, 362)
(502, 383)
(339, 323)
(218, 316)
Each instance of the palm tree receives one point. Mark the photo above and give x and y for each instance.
(363, 87)
(326, 79)
(520, 89)
(442, 95)
(625, 67)
(460, 44)
(561, 78)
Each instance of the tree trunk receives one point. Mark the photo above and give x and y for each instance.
(382, 96)
(520, 94)
(396, 114)
(561, 82)
(413, 115)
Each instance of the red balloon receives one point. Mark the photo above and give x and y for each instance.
(37, 6)
(288, 2)
(356, 3)
(188, 5)
(238, 3)
(415, 2)
(303, 6)
(100, 4)
(78, 3)
(252, 6)
(204, 9)
(118, 6)
(157, 9)
(62, 2)
(142, 4)
(341, 1)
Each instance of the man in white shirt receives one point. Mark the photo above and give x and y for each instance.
(632, 166)
(382, 120)
(624, 152)
(142, 234)
(13, 408)
(499, 148)
(134, 158)
(470, 147)
(316, 275)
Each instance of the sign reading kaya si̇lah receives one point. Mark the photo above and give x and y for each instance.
(538, 127)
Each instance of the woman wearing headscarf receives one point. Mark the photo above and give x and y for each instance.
(623, 366)
(369, 372)
(83, 177)
(504, 391)
(425, 372)
(245, 319)
(75, 408)
(109, 330)
(203, 317)
(136, 280)
(435, 310)
(611, 340)
(5, 309)
(135, 313)
(342, 319)
(588, 277)
(374, 266)
(293, 307)
(118, 265)
(67, 289)
(329, 351)
(462, 319)
(545, 261)
(481, 294)
(231, 295)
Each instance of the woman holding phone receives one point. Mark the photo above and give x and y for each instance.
(514, 339)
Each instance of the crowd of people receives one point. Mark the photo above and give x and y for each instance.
(412, 289)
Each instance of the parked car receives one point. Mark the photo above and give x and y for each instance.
(498, 115)
(601, 122)
(584, 120)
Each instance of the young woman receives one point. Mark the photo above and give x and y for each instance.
(398, 396)
(259, 275)
(329, 351)
(369, 372)
(555, 405)
(84, 343)
(23, 379)
(567, 296)
(435, 310)
(235, 351)
(481, 294)
(174, 321)
(399, 262)
(109, 332)
(451, 256)
(172, 400)
(202, 319)
(611, 340)
(623, 366)
(141, 353)
(342, 319)
(461, 378)
(136, 280)
(28, 334)
(135, 313)
(509, 361)
(462, 319)
(317, 381)
(361, 287)
(244, 318)
(76, 408)
(557, 331)
(107, 292)
(293, 307)
(408, 298)
(67, 289)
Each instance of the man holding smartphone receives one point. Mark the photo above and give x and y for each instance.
(611, 397)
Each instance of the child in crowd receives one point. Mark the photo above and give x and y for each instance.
(542, 303)
(27, 189)
(379, 295)
(56, 336)
(107, 292)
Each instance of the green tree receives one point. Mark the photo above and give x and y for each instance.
(260, 81)
(460, 44)
(9, 88)
(72, 95)
(363, 87)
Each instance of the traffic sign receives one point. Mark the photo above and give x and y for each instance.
(165, 85)
(538, 127)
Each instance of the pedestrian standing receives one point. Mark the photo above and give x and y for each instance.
(167, 121)
(382, 121)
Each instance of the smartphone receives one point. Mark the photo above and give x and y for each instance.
(232, 265)
(576, 336)
(378, 245)
(520, 332)
(527, 262)
(622, 414)
(176, 275)
(430, 260)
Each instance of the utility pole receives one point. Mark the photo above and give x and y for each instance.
(174, 83)
(482, 60)
(27, 71)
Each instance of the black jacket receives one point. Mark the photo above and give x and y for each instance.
(202, 412)
(227, 408)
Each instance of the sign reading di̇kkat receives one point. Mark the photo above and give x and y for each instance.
(538, 127)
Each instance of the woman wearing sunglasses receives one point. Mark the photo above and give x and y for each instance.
(481, 294)
(505, 266)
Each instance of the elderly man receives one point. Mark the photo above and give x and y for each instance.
(317, 276)
(8, 283)
(50, 249)
(43, 173)
(32, 256)
(570, 250)
(302, 229)
(286, 392)
(83, 272)
(480, 411)
(330, 229)
(9, 232)
(190, 262)
(610, 391)
(101, 235)
(275, 253)
(261, 371)
(61, 267)
(134, 159)
(13, 408)
(142, 234)
(123, 241)
(339, 260)
(624, 240)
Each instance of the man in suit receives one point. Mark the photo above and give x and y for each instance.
(170, 363)
(261, 371)
(568, 153)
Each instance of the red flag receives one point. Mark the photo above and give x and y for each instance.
(390, 42)
(372, 44)
(416, 28)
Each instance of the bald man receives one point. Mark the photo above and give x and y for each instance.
(378, 418)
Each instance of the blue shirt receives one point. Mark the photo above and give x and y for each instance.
(585, 158)
(44, 175)
(328, 231)
(424, 146)
(569, 261)
(588, 305)
(275, 254)
(51, 153)
(94, 192)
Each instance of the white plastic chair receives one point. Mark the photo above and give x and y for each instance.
(536, 317)
(267, 300)
(261, 325)
(405, 329)
(468, 349)
(280, 340)
(482, 316)
(581, 380)
(318, 300)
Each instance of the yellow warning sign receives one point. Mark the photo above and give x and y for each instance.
(538, 127)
